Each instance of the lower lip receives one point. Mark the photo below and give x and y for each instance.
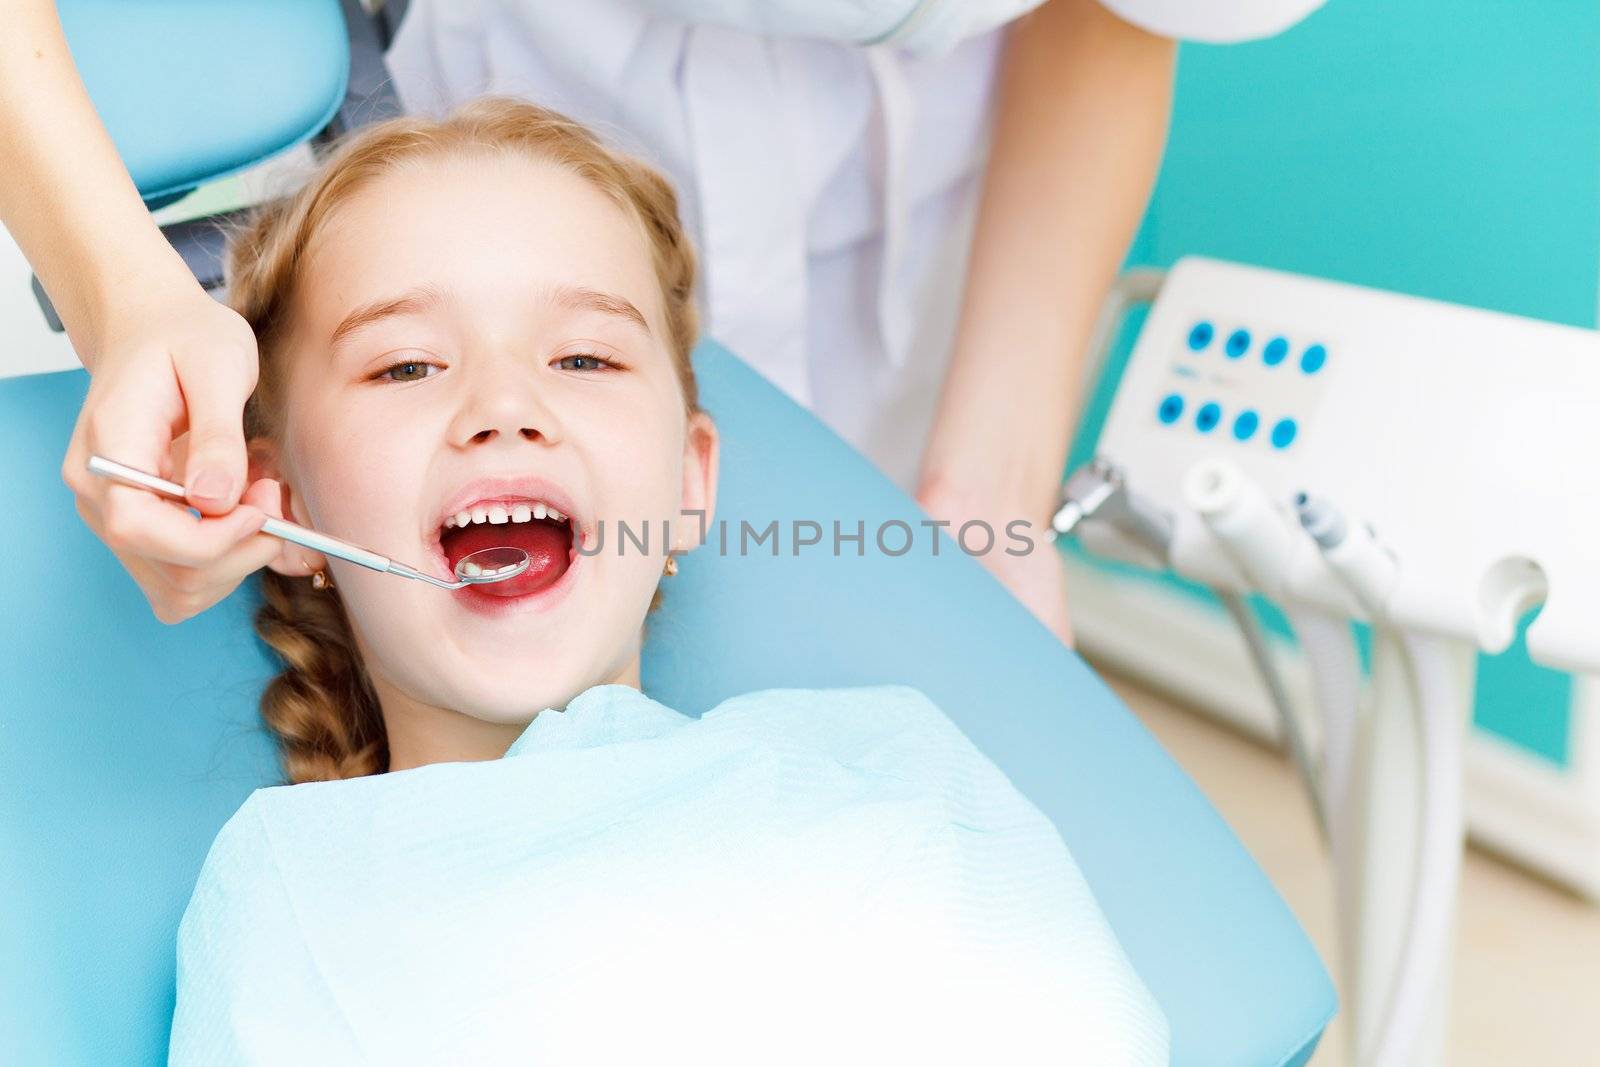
(480, 601)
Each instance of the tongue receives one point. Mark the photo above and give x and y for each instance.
(547, 544)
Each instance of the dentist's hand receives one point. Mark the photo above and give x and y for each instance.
(170, 377)
(167, 360)
(1037, 578)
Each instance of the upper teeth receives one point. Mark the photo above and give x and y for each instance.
(502, 513)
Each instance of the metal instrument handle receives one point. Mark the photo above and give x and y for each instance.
(288, 531)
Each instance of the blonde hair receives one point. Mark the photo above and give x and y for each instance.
(322, 706)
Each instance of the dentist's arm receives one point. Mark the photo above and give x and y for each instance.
(164, 357)
(1084, 100)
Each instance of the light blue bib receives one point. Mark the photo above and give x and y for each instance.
(797, 876)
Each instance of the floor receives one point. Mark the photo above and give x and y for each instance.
(1527, 968)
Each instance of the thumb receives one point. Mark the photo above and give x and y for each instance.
(266, 494)
(215, 472)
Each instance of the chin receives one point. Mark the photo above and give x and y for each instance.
(507, 715)
(508, 703)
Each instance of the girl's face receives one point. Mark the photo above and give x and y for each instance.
(479, 336)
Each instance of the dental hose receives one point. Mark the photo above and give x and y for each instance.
(1335, 668)
(1099, 489)
(1438, 854)
(1256, 538)
(1369, 572)
(1317, 785)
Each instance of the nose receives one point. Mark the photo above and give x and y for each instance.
(502, 401)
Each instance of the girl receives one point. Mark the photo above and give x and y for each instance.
(476, 331)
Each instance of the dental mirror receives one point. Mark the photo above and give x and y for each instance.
(491, 565)
(483, 567)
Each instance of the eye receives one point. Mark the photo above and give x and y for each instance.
(587, 361)
(411, 370)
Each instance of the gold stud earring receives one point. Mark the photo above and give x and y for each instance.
(320, 580)
(672, 565)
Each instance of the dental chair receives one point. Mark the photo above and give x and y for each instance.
(125, 744)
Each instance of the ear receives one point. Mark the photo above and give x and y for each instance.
(274, 494)
(701, 451)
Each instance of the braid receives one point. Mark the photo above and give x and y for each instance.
(321, 707)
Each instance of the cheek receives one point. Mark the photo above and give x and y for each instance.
(351, 478)
(638, 454)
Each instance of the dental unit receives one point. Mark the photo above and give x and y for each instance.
(1330, 447)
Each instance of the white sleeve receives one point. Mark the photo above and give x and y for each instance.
(249, 990)
(1213, 21)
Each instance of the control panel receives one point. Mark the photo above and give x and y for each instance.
(1468, 440)
(1243, 381)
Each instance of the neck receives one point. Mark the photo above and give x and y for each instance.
(420, 734)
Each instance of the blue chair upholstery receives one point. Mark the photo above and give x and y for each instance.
(125, 744)
(193, 90)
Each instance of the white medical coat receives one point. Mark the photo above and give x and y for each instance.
(830, 186)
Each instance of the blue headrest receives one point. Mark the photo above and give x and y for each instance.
(192, 90)
(125, 744)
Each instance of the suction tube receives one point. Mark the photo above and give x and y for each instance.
(1257, 537)
(1100, 490)
(1255, 639)
(1438, 856)
(1369, 572)
(1335, 666)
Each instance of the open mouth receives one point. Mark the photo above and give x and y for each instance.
(541, 531)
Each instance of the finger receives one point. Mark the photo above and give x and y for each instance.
(154, 581)
(215, 391)
(95, 494)
(177, 592)
(74, 471)
(291, 559)
(266, 494)
(134, 521)
(256, 551)
(131, 421)
(190, 590)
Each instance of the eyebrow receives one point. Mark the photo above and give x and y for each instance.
(413, 302)
(417, 301)
(578, 298)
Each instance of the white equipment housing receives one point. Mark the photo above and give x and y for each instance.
(1463, 437)
(1462, 440)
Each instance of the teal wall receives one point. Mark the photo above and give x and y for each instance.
(1446, 148)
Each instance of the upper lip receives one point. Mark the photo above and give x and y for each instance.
(529, 488)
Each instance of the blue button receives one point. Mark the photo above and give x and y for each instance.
(1313, 359)
(1283, 433)
(1238, 343)
(1274, 353)
(1171, 409)
(1206, 419)
(1244, 427)
(1200, 336)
